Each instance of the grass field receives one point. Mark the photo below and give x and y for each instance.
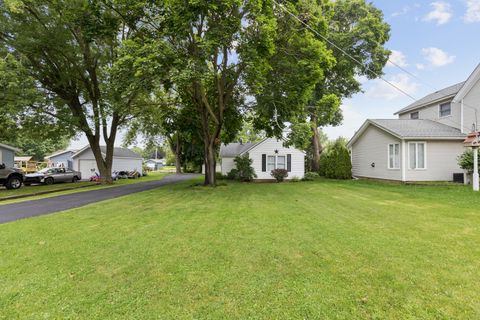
(308, 250)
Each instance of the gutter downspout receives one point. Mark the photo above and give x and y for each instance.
(461, 116)
(404, 162)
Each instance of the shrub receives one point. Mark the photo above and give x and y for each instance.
(279, 174)
(310, 176)
(336, 163)
(465, 161)
(233, 174)
(243, 171)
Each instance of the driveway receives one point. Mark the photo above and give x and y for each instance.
(32, 208)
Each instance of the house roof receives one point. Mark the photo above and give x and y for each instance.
(59, 153)
(27, 158)
(4, 146)
(412, 129)
(117, 152)
(444, 94)
(236, 149)
(469, 84)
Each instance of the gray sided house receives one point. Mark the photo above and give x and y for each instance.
(61, 159)
(423, 144)
(7, 155)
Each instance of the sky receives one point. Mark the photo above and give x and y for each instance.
(437, 41)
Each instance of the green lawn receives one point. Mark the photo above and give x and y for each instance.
(33, 190)
(309, 250)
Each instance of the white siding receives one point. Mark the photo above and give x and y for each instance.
(268, 147)
(432, 112)
(85, 162)
(227, 165)
(471, 104)
(441, 161)
(372, 147)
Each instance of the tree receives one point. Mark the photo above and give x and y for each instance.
(465, 161)
(336, 162)
(69, 51)
(357, 27)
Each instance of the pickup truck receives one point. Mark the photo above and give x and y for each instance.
(11, 178)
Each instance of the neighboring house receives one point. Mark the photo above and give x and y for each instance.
(123, 160)
(423, 144)
(267, 155)
(7, 155)
(61, 159)
(154, 164)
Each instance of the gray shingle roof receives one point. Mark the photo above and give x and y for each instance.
(436, 96)
(418, 128)
(121, 152)
(235, 149)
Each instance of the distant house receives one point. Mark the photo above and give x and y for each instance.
(423, 144)
(154, 164)
(267, 155)
(7, 155)
(61, 159)
(123, 160)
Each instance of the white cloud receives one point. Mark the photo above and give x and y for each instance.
(441, 12)
(420, 66)
(402, 12)
(352, 120)
(437, 57)
(398, 58)
(473, 11)
(383, 90)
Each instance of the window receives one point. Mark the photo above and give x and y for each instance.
(417, 155)
(445, 109)
(281, 162)
(271, 163)
(394, 156)
(414, 115)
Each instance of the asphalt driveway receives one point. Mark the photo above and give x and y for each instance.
(32, 208)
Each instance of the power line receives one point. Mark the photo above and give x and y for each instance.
(366, 68)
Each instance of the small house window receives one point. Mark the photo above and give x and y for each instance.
(281, 162)
(445, 109)
(271, 163)
(417, 155)
(414, 115)
(394, 156)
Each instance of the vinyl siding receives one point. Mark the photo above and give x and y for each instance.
(372, 147)
(441, 161)
(7, 157)
(432, 112)
(471, 104)
(64, 159)
(268, 147)
(227, 165)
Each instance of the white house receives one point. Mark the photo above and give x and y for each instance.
(7, 155)
(423, 144)
(123, 160)
(155, 164)
(61, 159)
(267, 155)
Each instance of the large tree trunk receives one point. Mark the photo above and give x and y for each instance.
(316, 146)
(210, 165)
(104, 165)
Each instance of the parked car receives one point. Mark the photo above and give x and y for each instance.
(11, 178)
(53, 175)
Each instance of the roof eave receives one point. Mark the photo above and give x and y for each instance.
(452, 96)
(468, 85)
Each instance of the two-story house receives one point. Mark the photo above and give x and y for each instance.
(423, 144)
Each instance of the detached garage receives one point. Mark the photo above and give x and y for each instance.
(123, 160)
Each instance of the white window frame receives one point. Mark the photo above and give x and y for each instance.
(440, 110)
(418, 115)
(274, 162)
(275, 156)
(388, 156)
(416, 143)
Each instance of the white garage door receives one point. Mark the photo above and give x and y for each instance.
(89, 167)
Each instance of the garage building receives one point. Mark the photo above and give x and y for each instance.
(123, 160)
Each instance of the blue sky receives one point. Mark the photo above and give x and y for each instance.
(438, 41)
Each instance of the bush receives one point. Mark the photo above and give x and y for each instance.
(243, 171)
(465, 161)
(310, 176)
(279, 174)
(295, 179)
(336, 163)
